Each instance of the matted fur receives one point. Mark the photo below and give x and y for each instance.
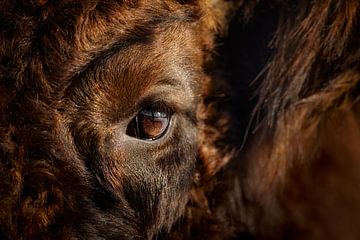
(74, 72)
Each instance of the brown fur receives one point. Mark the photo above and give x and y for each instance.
(73, 74)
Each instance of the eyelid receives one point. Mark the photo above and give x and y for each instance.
(157, 105)
(155, 114)
(165, 104)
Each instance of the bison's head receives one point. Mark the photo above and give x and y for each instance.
(100, 117)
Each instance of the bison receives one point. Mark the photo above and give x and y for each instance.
(179, 119)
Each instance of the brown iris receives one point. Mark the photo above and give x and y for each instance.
(149, 124)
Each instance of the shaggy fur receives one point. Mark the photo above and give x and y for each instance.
(275, 158)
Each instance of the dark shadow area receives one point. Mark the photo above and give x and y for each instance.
(242, 56)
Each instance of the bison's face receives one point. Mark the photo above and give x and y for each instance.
(133, 117)
(105, 117)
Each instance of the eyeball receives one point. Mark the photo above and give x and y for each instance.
(150, 123)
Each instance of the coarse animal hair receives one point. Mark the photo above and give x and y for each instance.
(262, 101)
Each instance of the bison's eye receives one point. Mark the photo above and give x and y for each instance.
(150, 123)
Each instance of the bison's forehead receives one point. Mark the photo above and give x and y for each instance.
(59, 40)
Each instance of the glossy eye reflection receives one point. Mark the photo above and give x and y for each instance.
(149, 124)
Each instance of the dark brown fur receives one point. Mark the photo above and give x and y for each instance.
(73, 74)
